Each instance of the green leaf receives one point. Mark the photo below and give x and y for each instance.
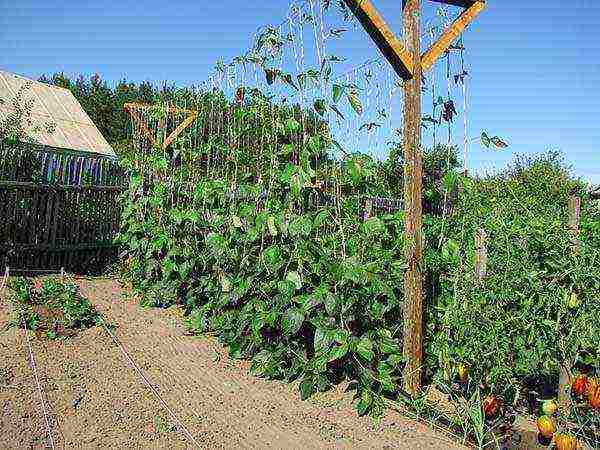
(294, 277)
(365, 349)
(331, 303)
(485, 140)
(498, 142)
(354, 99)
(322, 340)
(271, 75)
(337, 92)
(338, 352)
(272, 257)
(366, 400)
(307, 388)
(374, 225)
(450, 249)
(292, 126)
(320, 106)
(321, 217)
(287, 78)
(292, 321)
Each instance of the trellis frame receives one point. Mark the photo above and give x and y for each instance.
(410, 64)
(135, 108)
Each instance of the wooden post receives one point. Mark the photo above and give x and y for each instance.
(481, 257)
(409, 64)
(574, 217)
(413, 187)
(565, 367)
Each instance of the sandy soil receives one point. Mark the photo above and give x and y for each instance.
(96, 400)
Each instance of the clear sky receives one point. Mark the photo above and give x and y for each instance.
(535, 65)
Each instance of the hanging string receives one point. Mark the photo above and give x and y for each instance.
(464, 79)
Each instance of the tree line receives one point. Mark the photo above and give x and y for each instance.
(104, 104)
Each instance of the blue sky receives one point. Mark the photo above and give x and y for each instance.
(535, 66)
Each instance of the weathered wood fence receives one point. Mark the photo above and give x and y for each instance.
(65, 167)
(54, 226)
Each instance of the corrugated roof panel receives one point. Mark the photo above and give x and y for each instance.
(74, 128)
(38, 134)
(91, 133)
(70, 104)
(14, 85)
(51, 103)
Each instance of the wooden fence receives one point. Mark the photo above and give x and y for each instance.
(53, 226)
(33, 163)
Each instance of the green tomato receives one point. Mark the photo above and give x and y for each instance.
(574, 301)
(549, 407)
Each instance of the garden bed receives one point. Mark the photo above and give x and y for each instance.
(95, 398)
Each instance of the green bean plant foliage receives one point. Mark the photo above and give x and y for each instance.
(266, 239)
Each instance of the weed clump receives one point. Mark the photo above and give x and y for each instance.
(51, 307)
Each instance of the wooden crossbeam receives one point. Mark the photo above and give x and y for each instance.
(429, 58)
(135, 108)
(146, 106)
(134, 114)
(385, 39)
(182, 126)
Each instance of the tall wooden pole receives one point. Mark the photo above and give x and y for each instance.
(565, 367)
(408, 62)
(413, 187)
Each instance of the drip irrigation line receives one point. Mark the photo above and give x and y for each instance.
(33, 368)
(144, 378)
(152, 388)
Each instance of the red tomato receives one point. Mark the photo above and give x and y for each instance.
(491, 406)
(580, 385)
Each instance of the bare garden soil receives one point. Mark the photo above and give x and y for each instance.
(95, 399)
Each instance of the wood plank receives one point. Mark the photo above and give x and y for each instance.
(430, 57)
(60, 247)
(565, 367)
(36, 186)
(392, 48)
(182, 126)
(413, 199)
(55, 217)
(51, 199)
(33, 222)
(142, 124)
(574, 221)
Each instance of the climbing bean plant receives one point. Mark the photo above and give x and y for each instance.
(273, 249)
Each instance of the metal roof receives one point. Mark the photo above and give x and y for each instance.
(74, 130)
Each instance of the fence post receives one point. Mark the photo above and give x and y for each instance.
(368, 211)
(481, 257)
(564, 374)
